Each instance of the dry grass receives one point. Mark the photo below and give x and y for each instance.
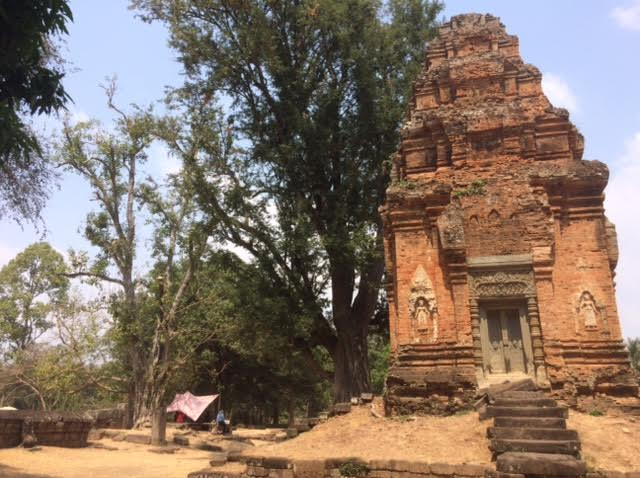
(608, 442)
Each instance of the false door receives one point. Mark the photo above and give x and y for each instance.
(503, 344)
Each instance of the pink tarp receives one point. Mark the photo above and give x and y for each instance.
(191, 405)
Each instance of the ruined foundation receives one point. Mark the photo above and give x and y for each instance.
(68, 430)
(500, 259)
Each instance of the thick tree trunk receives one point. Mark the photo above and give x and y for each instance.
(159, 427)
(352, 317)
(138, 396)
(351, 362)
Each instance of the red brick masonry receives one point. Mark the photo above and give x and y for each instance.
(490, 205)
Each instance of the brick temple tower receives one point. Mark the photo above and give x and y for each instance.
(500, 257)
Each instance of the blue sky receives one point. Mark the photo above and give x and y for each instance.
(588, 52)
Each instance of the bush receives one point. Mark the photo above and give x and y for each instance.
(353, 469)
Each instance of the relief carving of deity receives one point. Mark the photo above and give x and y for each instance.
(588, 311)
(423, 309)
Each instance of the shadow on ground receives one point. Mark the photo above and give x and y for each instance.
(9, 472)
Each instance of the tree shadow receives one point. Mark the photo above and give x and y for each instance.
(10, 472)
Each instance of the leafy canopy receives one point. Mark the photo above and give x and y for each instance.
(32, 288)
(30, 84)
(318, 89)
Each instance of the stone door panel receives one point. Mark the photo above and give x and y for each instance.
(503, 345)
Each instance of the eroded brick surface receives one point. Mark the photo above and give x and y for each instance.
(491, 203)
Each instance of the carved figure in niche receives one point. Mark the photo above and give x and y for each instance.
(588, 311)
(422, 313)
(423, 309)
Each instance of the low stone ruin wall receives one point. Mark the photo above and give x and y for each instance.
(10, 429)
(273, 467)
(337, 468)
(32, 428)
(115, 418)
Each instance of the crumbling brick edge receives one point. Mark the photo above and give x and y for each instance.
(277, 467)
(271, 467)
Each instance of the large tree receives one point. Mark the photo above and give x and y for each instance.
(318, 90)
(110, 162)
(180, 241)
(32, 289)
(30, 84)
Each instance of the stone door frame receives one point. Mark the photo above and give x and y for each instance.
(505, 278)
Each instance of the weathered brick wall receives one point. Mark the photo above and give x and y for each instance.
(10, 429)
(488, 168)
(48, 428)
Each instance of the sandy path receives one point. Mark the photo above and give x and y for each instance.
(128, 460)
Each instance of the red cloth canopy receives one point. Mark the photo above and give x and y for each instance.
(191, 405)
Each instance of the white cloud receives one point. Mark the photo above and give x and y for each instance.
(623, 193)
(559, 93)
(628, 17)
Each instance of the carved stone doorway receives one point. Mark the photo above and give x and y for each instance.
(502, 291)
(506, 339)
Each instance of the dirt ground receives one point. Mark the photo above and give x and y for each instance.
(455, 440)
(127, 460)
(608, 442)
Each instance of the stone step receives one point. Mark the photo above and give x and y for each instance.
(521, 394)
(532, 422)
(500, 474)
(565, 447)
(525, 402)
(496, 411)
(532, 433)
(540, 464)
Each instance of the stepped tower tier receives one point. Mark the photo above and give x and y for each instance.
(500, 258)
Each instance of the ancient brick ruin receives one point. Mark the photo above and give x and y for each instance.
(30, 428)
(500, 258)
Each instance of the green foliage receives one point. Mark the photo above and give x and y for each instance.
(32, 288)
(634, 352)
(476, 188)
(30, 84)
(110, 161)
(379, 353)
(72, 371)
(408, 185)
(353, 469)
(319, 89)
(596, 413)
(250, 359)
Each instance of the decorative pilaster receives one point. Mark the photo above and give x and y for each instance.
(536, 340)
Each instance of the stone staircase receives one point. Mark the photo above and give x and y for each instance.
(529, 436)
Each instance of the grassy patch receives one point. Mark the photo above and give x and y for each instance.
(353, 469)
(476, 188)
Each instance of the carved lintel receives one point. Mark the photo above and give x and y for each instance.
(502, 284)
